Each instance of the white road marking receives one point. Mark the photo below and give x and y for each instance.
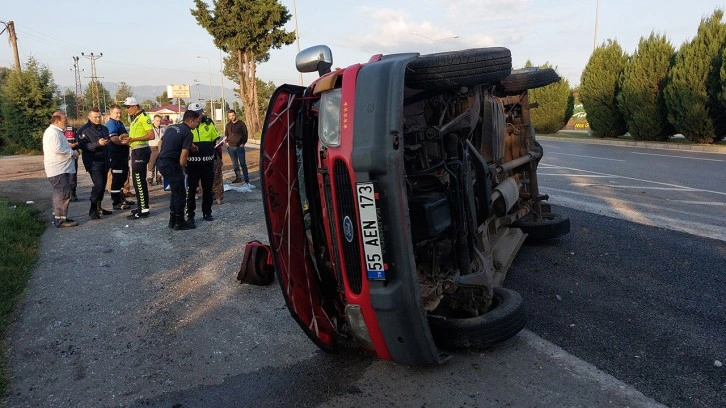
(570, 175)
(588, 157)
(714, 203)
(641, 213)
(633, 187)
(679, 157)
(552, 166)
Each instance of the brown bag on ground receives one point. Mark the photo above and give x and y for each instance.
(256, 268)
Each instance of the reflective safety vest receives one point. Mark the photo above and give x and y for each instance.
(140, 125)
(205, 132)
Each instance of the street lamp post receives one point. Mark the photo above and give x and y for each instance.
(437, 39)
(197, 83)
(211, 91)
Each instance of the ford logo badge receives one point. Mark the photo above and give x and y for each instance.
(348, 229)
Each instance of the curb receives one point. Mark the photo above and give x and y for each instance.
(634, 143)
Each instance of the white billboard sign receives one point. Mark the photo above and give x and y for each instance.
(178, 91)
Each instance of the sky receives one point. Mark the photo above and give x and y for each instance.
(160, 43)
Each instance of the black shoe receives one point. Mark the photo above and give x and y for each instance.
(237, 180)
(104, 211)
(93, 212)
(135, 215)
(121, 206)
(172, 220)
(66, 223)
(208, 217)
(184, 226)
(129, 203)
(191, 221)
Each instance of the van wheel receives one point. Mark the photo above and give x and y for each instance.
(527, 78)
(506, 317)
(547, 226)
(456, 69)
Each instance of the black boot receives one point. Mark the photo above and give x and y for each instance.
(102, 211)
(181, 225)
(172, 219)
(93, 212)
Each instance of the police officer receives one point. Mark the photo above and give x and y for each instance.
(171, 163)
(118, 157)
(201, 165)
(140, 132)
(92, 139)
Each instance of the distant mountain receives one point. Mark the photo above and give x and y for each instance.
(144, 92)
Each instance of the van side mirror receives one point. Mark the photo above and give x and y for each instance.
(316, 58)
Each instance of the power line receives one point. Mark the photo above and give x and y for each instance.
(94, 78)
(79, 88)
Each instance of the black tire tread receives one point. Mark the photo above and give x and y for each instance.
(487, 330)
(455, 69)
(552, 226)
(523, 79)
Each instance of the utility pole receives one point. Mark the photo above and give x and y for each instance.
(94, 78)
(297, 39)
(10, 26)
(79, 88)
(597, 10)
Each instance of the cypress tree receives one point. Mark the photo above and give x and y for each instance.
(556, 104)
(692, 91)
(641, 91)
(599, 86)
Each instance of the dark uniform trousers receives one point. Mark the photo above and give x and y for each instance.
(119, 175)
(196, 171)
(139, 159)
(172, 172)
(99, 173)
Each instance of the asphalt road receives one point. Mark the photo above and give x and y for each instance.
(644, 304)
(678, 189)
(125, 313)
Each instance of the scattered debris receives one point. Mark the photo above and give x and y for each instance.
(718, 363)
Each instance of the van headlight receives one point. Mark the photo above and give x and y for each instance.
(329, 126)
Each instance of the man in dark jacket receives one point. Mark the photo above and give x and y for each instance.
(236, 138)
(92, 139)
(173, 161)
(118, 158)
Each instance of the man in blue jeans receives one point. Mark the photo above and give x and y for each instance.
(235, 134)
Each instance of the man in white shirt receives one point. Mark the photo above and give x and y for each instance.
(59, 162)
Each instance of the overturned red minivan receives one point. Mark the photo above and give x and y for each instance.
(397, 193)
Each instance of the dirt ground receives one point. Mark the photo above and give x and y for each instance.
(23, 178)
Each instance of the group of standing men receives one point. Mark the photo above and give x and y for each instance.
(192, 145)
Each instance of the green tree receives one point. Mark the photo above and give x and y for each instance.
(104, 97)
(247, 30)
(641, 90)
(599, 89)
(148, 104)
(69, 100)
(123, 92)
(555, 104)
(162, 99)
(691, 94)
(27, 102)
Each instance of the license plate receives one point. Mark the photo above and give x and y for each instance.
(370, 234)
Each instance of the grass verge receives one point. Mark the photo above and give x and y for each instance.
(20, 231)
